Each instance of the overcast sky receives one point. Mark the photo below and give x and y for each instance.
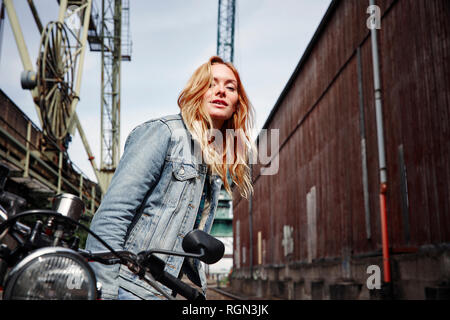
(171, 38)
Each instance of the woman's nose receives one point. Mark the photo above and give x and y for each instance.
(220, 91)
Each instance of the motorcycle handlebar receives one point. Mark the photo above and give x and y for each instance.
(180, 287)
(156, 267)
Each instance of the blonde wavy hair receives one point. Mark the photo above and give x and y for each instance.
(233, 155)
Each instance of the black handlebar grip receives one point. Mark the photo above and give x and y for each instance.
(180, 287)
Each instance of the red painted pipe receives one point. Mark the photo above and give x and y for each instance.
(384, 235)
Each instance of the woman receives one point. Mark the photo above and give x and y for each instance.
(169, 178)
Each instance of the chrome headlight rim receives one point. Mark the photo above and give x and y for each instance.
(19, 268)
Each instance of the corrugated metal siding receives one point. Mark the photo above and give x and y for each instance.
(416, 81)
(320, 158)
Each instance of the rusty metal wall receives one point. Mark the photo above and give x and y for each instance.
(326, 116)
(15, 122)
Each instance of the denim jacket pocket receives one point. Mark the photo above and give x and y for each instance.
(183, 174)
(184, 171)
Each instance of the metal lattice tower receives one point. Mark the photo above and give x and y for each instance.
(225, 29)
(115, 46)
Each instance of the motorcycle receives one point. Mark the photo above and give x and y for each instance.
(44, 261)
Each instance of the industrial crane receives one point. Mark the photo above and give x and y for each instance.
(225, 29)
(55, 82)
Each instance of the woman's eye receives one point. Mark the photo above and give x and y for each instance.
(231, 88)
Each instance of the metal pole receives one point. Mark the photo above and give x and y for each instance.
(250, 224)
(102, 88)
(18, 35)
(81, 186)
(27, 157)
(381, 152)
(93, 200)
(116, 83)
(60, 162)
(21, 47)
(36, 16)
(62, 10)
(87, 15)
(88, 151)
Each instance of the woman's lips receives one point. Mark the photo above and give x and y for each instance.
(219, 103)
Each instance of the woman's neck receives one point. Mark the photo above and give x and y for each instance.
(217, 123)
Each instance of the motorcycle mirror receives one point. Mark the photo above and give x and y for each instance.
(196, 240)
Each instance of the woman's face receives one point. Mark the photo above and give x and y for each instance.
(221, 98)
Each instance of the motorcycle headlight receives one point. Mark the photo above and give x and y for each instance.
(51, 273)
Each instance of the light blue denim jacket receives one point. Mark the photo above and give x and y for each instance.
(152, 202)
